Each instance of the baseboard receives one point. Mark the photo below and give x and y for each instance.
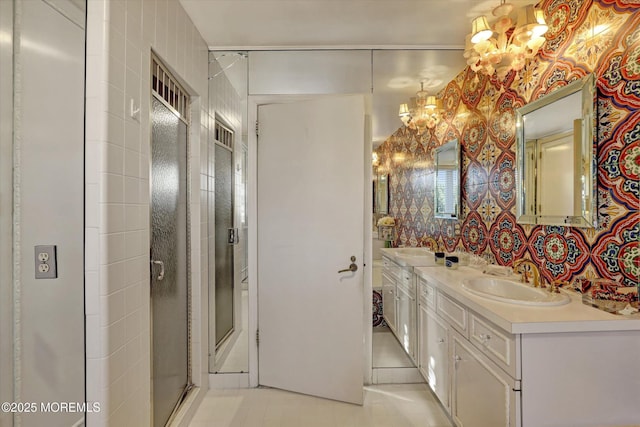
(232, 380)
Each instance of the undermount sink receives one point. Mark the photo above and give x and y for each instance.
(512, 292)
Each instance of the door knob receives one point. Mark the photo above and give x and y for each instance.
(352, 267)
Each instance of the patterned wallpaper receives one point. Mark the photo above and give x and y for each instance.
(600, 36)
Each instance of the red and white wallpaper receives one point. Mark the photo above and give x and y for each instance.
(600, 36)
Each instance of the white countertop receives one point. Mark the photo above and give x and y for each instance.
(426, 260)
(520, 319)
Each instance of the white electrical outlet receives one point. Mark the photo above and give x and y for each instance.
(46, 264)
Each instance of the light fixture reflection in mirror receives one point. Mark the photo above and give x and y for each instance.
(555, 162)
(447, 180)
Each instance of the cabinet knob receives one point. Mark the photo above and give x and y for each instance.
(457, 359)
(441, 341)
(485, 337)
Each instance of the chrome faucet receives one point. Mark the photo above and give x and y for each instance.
(537, 283)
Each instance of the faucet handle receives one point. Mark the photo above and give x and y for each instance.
(524, 275)
(521, 265)
(555, 284)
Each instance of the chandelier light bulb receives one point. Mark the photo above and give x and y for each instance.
(541, 28)
(424, 112)
(508, 45)
(481, 30)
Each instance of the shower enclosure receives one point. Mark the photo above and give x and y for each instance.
(169, 248)
(225, 234)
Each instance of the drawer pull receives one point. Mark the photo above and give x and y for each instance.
(457, 359)
(441, 341)
(485, 338)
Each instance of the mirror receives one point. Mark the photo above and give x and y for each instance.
(555, 169)
(225, 163)
(381, 194)
(447, 180)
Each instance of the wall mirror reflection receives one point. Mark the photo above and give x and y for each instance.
(225, 168)
(397, 77)
(555, 162)
(447, 180)
(381, 194)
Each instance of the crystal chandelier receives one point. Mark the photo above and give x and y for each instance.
(424, 112)
(505, 47)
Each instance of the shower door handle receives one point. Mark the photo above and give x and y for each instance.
(161, 264)
(232, 236)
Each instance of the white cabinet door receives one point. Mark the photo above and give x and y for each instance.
(482, 394)
(436, 337)
(406, 326)
(423, 328)
(389, 301)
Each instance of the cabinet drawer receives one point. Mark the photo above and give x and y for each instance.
(390, 268)
(452, 312)
(388, 279)
(497, 344)
(427, 293)
(406, 281)
(406, 277)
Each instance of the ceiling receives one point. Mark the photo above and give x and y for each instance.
(434, 28)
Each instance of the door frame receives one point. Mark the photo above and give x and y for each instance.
(253, 101)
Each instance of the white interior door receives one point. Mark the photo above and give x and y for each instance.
(310, 223)
(556, 180)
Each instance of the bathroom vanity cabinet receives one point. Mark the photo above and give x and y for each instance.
(399, 303)
(494, 364)
(390, 271)
(433, 344)
(467, 382)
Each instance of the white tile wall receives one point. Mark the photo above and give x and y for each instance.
(120, 37)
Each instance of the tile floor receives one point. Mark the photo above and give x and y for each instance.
(396, 405)
(387, 352)
(238, 358)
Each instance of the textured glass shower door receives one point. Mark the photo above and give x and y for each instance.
(169, 285)
(223, 247)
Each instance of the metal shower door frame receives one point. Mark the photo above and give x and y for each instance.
(186, 119)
